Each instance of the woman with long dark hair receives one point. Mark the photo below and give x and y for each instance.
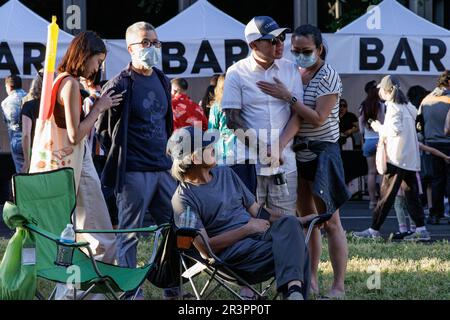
(83, 58)
(371, 108)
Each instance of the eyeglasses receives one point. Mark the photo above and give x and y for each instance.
(275, 40)
(307, 52)
(146, 43)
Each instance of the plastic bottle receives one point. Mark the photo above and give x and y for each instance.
(188, 219)
(64, 256)
(68, 234)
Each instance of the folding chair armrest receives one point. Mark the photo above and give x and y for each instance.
(321, 218)
(54, 237)
(212, 257)
(138, 230)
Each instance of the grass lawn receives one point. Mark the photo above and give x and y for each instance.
(376, 270)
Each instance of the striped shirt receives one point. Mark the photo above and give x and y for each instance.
(326, 81)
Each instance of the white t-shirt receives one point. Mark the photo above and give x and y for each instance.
(260, 110)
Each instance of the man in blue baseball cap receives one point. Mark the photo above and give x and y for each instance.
(263, 28)
(262, 116)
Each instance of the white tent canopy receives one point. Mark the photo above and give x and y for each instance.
(23, 38)
(198, 42)
(201, 21)
(392, 18)
(21, 24)
(390, 38)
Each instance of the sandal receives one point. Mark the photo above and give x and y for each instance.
(247, 294)
(332, 296)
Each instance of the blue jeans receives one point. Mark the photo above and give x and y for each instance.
(370, 147)
(142, 190)
(15, 140)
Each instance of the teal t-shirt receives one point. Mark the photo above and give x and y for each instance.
(226, 145)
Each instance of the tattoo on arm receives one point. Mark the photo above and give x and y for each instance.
(234, 119)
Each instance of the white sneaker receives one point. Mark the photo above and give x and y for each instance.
(418, 236)
(367, 234)
(295, 295)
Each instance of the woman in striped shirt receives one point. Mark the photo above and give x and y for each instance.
(317, 133)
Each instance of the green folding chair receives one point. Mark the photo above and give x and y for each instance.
(44, 204)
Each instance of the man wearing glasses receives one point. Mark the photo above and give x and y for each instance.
(135, 134)
(247, 107)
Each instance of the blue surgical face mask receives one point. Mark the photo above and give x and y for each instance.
(305, 61)
(148, 57)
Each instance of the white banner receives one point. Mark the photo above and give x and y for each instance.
(194, 58)
(349, 54)
(413, 55)
(25, 58)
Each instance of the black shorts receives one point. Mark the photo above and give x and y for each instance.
(307, 170)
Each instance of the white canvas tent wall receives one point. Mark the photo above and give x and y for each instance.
(198, 42)
(23, 36)
(20, 28)
(393, 27)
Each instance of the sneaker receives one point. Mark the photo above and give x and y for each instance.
(418, 236)
(366, 234)
(295, 296)
(400, 235)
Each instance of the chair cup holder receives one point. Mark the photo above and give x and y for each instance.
(185, 237)
(64, 255)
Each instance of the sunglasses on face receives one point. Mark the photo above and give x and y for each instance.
(146, 43)
(275, 40)
(306, 52)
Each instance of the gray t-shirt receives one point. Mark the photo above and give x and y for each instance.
(220, 204)
(434, 115)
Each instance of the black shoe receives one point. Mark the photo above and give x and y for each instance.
(400, 235)
(433, 220)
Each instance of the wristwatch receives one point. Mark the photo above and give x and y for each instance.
(292, 101)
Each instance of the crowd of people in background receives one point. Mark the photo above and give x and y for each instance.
(129, 129)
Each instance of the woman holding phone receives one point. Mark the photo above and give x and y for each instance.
(83, 58)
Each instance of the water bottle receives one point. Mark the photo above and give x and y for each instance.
(64, 256)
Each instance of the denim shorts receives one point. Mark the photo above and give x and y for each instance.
(370, 147)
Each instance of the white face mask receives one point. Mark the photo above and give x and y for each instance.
(148, 57)
(306, 61)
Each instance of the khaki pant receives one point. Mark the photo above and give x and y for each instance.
(270, 195)
(92, 213)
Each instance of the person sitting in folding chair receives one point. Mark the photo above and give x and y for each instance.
(255, 243)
